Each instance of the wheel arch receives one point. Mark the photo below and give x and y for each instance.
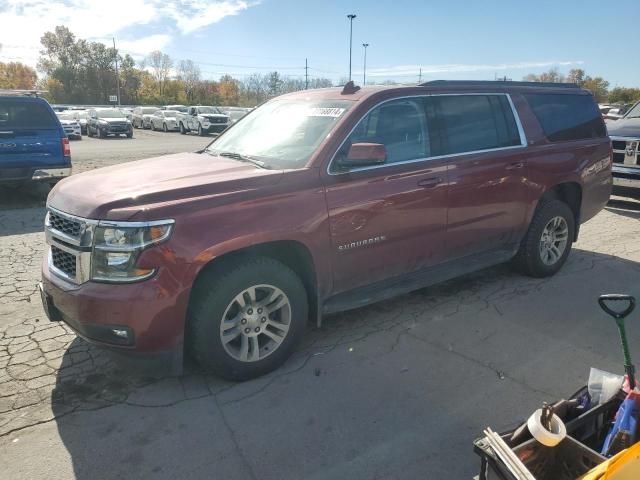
(569, 193)
(292, 253)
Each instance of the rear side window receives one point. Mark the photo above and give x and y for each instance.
(566, 117)
(470, 123)
(25, 115)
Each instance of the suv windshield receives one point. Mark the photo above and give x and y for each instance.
(110, 114)
(282, 133)
(169, 113)
(634, 112)
(148, 110)
(208, 110)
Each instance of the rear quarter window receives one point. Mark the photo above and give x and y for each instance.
(566, 117)
(25, 115)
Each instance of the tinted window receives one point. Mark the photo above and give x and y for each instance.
(25, 115)
(475, 122)
(400, 125)
(567, 117)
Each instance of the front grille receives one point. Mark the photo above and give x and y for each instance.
(118, 127)
(618, 144)
(65, 225)
(219, 120)
(618, 157)
(64, 261)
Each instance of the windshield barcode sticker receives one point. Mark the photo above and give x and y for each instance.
(325, 112)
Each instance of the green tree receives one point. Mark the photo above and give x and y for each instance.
(624, 95)
(598, 86)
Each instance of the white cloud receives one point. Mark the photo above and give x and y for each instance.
(412, 70)
(23, 22)
(192, 15)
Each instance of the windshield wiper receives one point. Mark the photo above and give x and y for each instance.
(244, 158)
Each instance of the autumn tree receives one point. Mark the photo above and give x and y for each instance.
(160, 65)
(17, 75)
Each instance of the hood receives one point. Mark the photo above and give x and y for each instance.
(121, 191)
(113, 120)
(625, 127)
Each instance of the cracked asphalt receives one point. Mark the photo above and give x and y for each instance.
(395, 390)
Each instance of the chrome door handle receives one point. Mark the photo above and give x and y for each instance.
(430, 182)
(515, 166)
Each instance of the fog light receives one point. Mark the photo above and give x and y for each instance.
(120, 333)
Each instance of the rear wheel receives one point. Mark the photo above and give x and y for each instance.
(247, 319)
(547, 244)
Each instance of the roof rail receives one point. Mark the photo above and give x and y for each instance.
(22, 93)
(492, 83)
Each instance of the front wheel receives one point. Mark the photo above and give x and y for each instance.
(547, 244)
(247, 319)
(183, 131)
(164, 128)
(201, 131)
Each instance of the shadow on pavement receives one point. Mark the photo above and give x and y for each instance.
(394, 390)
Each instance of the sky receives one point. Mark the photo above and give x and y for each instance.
(448, 40)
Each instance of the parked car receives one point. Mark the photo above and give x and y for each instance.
(128, 112)
(142, 117)
(70, 124)
(322, 201)
(202, 119)
(33, 145)
(164, 120)
(234, 113)
(82, 117)
(108, 121)
(625, 139)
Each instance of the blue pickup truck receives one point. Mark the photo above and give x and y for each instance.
(33, 144)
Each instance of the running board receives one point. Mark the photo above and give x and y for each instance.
(395, 286)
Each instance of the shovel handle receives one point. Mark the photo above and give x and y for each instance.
(606, 303)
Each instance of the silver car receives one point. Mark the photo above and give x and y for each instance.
(70, 124)
(164, 120)
(142, 117)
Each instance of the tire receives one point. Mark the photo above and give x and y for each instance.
(130, 135)
(200, 131)
(101, 134)
(215, 296)
(89, 134)
(183, 131)
(164, 128)
(533, 258)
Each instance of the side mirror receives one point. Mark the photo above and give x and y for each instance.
(363, 154)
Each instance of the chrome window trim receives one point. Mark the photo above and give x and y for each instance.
(521, 133)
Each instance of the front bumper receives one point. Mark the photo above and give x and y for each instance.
(627, 177)
(136, 318)
(215, 127)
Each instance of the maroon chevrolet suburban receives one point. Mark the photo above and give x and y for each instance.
(316, 202)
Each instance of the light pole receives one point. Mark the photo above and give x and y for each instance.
(351, 16)
(115, 55)
(364, 71)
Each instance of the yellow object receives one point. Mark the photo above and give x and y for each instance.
(624, 466)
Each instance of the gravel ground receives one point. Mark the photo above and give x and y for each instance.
(395, 390)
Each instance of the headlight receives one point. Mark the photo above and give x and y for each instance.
(103, 122)
(119, 244)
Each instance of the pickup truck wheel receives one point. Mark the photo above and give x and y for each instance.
(164, 128)
(183, 131)
(547, 244)
(246, 320)
(200, 131)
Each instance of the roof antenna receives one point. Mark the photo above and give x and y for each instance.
(349, 88)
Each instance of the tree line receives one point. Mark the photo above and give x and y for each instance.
(597, 85)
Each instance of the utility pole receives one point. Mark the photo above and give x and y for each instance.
(306, 74)
(351, 16)
(364, 71)
(115, 57)
(420, 76)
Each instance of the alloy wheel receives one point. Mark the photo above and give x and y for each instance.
(553, 241)
(255, 323)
